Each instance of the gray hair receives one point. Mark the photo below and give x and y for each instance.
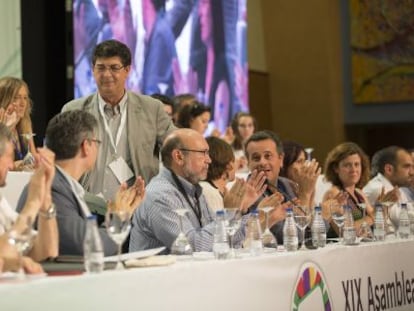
(172, 142)
(66, 131)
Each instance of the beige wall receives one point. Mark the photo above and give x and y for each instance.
(10, 34)
(255, 36)
(301, 47)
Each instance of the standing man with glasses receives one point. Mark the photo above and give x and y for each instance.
(185, 155)
(131, 126)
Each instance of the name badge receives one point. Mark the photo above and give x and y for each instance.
(121, 169)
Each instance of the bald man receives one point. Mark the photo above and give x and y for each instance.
(186, 159)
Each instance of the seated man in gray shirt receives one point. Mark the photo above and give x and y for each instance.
(71, 136)
(186, 159)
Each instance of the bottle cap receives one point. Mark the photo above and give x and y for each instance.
(289, 209)
(254, 212)
(220, 212)
(317, 208)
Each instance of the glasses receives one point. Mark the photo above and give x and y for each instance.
(111, 68)
(205, 152)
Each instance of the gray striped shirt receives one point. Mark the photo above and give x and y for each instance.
(155, 223)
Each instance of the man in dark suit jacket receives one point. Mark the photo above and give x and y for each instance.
(72, 137)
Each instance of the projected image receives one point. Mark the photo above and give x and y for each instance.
(178, 46)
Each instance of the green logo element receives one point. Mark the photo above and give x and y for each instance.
(310, 279)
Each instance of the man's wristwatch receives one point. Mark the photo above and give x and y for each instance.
(50, 212)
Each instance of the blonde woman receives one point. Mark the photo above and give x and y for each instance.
(15, 109)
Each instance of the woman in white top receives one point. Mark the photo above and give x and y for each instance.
(221, 170)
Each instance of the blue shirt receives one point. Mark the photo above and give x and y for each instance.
(155, 223)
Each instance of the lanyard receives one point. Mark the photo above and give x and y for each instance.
(114, 144)
(196, 209)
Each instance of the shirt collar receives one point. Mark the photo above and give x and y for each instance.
(384, 180)
(122, 103)
(76, 186)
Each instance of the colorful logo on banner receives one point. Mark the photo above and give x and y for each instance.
(311, 290)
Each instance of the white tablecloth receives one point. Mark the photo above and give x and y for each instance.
(338, 276)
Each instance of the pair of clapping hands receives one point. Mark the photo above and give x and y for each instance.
(245, 193)
(128, 199)
(305, 177)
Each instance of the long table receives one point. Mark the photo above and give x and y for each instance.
(372, 276)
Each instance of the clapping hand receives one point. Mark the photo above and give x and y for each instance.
(39, 195)
(234, 196)
(8, 117)
(128, 199)
(390, 196)
(333, 204)
(255, 187)
(278, 213)
(306, 176)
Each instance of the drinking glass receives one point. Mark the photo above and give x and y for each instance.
(23, 241)
(309, 153)
(388, 220)
(233, 221)
(302, 220)
(364, 232)
(118, 226)
(269, 240)
(337, 214)
(28, 159)
(181, 246)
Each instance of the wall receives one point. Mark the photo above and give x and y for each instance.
(10, 33)
(303, 61)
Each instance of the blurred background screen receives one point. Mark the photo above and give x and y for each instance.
(178, 47)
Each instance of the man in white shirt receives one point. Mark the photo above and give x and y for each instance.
(392, 168)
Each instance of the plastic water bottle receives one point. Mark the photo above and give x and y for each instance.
(349, 228)
(404, 227)
(318, 229)
(379, 223)
(93, 254)
(290, 232)
(255, 234)
(220, 245)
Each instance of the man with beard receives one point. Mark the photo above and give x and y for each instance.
(185, 155)
(391, 168)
